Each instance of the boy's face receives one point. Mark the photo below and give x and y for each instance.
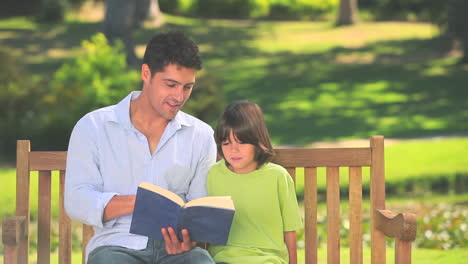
(240, 156)
(168, 90)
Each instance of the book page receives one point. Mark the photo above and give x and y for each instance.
(213, 201)
(166, 193)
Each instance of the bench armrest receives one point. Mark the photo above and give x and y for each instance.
(13, 231)
(401, 226)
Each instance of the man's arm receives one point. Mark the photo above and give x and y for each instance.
(290, 240)
(119, 205)
(84, 197)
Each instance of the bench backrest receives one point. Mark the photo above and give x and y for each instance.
(309, 159)
(332, 159)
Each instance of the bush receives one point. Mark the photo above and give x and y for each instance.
(97, 78)
(206, 101)
(20, 103)
(443, 226)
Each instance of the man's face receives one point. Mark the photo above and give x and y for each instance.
(168, 90)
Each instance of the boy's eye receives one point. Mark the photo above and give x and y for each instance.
(225, 143)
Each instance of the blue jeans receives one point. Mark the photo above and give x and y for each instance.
(154, 253)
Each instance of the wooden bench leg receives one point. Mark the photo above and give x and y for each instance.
(402, 251)
(12, 232)
(10, 254)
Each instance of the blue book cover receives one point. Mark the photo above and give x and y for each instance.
(208, 219)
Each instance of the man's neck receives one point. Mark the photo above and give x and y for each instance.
(142, 115)
(147, 122)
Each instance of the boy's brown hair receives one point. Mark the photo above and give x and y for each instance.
(247, 123)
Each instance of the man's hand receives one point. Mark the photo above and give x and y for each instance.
(173, 245)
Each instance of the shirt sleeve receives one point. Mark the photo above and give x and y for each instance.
(288, 203)
(84, 199)
(197, 186)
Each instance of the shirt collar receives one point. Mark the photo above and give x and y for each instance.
(122, 114)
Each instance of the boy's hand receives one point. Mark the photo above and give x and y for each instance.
(172, 243)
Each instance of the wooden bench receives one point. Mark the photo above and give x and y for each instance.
(384, 223)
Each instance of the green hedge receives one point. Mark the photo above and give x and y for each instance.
(240, 9)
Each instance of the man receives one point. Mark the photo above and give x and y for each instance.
(143, 138)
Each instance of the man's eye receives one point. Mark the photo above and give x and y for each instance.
(171, 85)
(225, 143)
(188, 87)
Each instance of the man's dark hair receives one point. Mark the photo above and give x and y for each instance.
(171, 47)
(246, 121)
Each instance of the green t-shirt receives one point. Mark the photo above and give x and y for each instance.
(266, 207)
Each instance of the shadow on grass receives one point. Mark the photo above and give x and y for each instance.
(403, 88)
(407, 92)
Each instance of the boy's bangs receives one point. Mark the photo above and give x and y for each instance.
(242, 134)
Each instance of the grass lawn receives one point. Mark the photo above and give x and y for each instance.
(424, 159)
(314, 82)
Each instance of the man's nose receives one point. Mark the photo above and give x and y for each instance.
(179, 94)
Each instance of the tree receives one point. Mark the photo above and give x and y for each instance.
(122, 17)
(347, 13)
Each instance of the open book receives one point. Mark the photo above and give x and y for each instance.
(208, 219)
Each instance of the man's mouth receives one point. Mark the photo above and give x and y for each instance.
(174, 106)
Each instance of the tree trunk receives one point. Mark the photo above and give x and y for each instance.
(348, 13)
(458, 25)
(154, 13)
(119, 22)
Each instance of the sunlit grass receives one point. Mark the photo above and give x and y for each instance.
(412, 159)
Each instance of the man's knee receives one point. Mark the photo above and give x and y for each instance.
(115, 255)
(201, 256)
(195, 256)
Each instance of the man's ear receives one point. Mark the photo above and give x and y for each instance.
(145, 72)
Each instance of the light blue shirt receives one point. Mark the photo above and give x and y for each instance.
(108, 156)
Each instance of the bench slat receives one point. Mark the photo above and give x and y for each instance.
(47, 160)
(355, 215)
(44, 206)
(65, 238)
(377, 190)
(87, 234)
(333, 215)
(310, 215)
(335, 157)
(292, 172)
(22, 197)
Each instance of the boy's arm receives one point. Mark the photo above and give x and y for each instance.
(290, 240)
